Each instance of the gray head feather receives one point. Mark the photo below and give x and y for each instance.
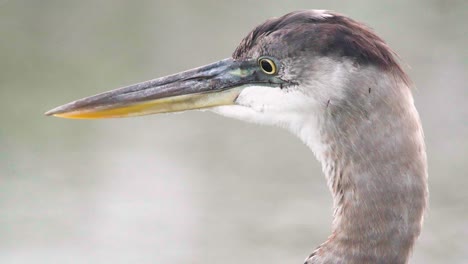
(323, 33)
(369, 135)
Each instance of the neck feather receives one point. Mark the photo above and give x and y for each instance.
(373, 155)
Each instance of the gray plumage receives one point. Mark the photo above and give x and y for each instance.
(374, 155)
(337, 86)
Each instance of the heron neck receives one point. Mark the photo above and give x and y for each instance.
(373, 156)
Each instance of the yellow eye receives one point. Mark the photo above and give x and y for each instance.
(268, 66)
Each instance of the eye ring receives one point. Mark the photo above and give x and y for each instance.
(267, 65)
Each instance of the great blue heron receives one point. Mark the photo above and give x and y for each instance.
(337, 86)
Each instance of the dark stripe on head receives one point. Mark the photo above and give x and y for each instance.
(327, 34)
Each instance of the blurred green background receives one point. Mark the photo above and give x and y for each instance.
(196, 187)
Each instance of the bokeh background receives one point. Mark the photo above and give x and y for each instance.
(196, 187)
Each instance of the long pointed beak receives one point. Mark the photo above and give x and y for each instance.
(212, 85)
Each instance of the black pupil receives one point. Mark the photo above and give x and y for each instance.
(266, 66)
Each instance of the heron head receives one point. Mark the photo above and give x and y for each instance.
(285, 69)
